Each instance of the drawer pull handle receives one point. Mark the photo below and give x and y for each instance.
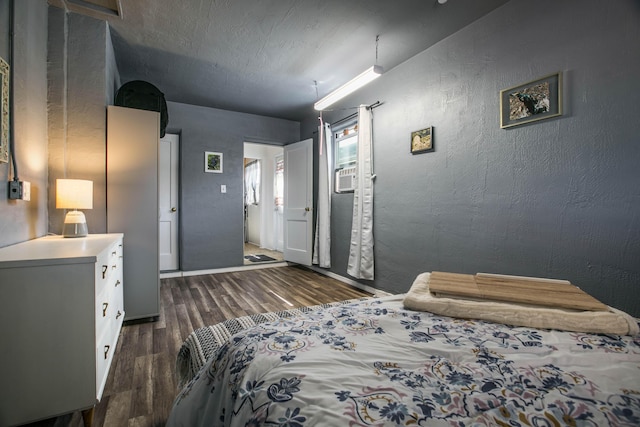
(104, 309)
(104, 271)
(106, 351)
(119, 314)
(117, 283)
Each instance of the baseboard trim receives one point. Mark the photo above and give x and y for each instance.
(173, 274)
(346, 280)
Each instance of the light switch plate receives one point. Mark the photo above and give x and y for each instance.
(26, 191)
(223, 188)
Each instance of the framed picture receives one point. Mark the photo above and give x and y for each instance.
(212, 162)
(537, 100)
(4, 112)
(422, 140)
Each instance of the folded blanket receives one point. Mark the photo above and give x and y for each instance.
(612, 321)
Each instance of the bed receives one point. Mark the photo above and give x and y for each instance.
(376, 362)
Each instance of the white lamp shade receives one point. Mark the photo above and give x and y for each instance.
(74, 194)
(349, 87)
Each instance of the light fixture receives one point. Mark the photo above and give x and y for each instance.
(352, 85)
(74, 194)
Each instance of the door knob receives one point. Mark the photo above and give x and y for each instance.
(307, 209)
(173, 209)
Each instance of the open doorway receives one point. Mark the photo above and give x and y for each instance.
(263, 203)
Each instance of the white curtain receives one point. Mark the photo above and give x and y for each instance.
(322, 241)
(361, 249)
(252, 183)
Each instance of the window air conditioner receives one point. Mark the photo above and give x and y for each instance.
(345, 180)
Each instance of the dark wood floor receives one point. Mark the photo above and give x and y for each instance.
(141, 385)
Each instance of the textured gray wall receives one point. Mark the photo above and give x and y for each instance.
(211, 223)
(558, 198)
(112, 80)
(82, 79)
(20, 220)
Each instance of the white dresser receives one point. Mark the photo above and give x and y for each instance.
(61, 310)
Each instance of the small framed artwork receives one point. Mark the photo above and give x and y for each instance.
(422, 140)
(529, 102)
(212, 162)
(4, 112)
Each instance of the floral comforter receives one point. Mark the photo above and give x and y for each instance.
(374, 363)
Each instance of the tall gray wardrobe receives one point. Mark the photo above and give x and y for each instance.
(132, 204)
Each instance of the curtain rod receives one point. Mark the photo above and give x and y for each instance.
(350, 116)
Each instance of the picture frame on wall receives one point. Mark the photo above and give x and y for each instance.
(212, 162)
(422, 141)
(4, 111)
(532, 101)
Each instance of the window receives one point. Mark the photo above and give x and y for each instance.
(346, 145)
(252, 183)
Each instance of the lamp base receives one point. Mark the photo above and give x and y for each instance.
(75, 225)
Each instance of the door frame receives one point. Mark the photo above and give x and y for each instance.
(266, 153)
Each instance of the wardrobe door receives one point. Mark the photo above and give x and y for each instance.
(132, 204)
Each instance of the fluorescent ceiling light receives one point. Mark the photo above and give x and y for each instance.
(349, 87)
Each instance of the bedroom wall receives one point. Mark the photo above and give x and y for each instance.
(558, 198)
(22, 220)
(211, 223)
(66, 74)
(83, 77)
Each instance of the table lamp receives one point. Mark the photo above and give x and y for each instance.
(74, 194)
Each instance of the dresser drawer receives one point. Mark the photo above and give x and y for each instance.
(104, 354)
(117, 299)
(115, 260)
(104, 311)
(102, 271)
(108, 266)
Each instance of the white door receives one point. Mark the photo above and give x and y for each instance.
(298, 202)
(168, 202)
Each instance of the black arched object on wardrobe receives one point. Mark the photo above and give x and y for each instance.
(143, 96)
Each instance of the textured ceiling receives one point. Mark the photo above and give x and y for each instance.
(264, 56)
